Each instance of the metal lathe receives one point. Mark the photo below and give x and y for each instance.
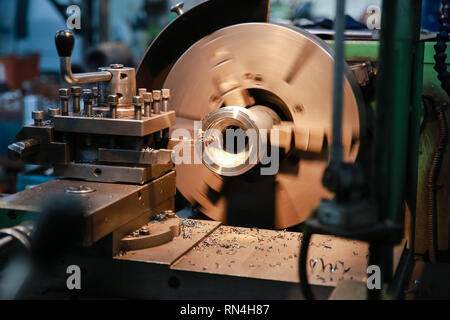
(342, 123)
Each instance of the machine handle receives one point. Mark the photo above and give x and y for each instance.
(64, 41)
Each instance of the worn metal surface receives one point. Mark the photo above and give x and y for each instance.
(192, 232)
(121, 127)
(155, 233)
(273, 255)
(159, 156)
(284, 68)
(208, 247)
(106, 209)
(111, 173)
(349, 290)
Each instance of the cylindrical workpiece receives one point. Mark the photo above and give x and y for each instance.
(64, 95)
(88, 98)
(113, 101)
(137, 102)
(165, 99)
(122, 84)
(156, 101)
(251, 127)
(148, 99)
(76, 97)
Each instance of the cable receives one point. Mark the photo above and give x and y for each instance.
(433, 174)
(303, 274)
(441, 46)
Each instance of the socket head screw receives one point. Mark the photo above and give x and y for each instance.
(88, 95)
(137, 100)
(156, 95)
(113, 99)
(148, 97)
(53, 112)
(37, 115)
(64, 93)
(141, 91)
(76, 91)
(165, 93)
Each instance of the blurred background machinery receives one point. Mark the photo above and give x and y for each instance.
(177, 49)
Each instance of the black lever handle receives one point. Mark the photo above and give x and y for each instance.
(64, 41)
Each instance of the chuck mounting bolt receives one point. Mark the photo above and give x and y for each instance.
(157, 101)
(38, 116)
(88, 98)
(137, 101)
(76, 96)
(148, 99)
(64, 95)
(113, 101)
(165, 99)
(178, 8)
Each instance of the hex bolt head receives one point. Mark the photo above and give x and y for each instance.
(64, 93)
(141, 91)
(76, 91)
(138, 100)
(88, 95)
(148, 97)
(144, 231)
(165, 93)
(37, 115)
(113, 99)
(53, 112)
(156, 95)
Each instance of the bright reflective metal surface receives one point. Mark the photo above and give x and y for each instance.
(284, 68)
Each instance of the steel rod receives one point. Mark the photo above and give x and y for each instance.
(338, 80)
